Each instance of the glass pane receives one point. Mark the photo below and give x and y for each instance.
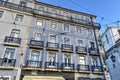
(22, 3)
(54, 25)
(37, 36)
(35, 56)
(15, 33)
(39, 23)
(9, 53)
(80, 43)
(53, 38)
(66, 27)
(67, 40)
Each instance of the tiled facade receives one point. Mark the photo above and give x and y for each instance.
(42, 41)
(111, 40)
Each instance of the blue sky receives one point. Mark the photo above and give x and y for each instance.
(108, 9)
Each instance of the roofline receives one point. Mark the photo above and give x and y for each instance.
(37, 2)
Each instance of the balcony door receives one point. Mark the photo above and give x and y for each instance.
(52, 59)
(35, 55)
(53, 40)
(23, 4)
(8, 56)
(37, 36)
(15, 33)
(67, 60)
(82, 62)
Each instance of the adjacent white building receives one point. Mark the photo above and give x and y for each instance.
(111, 44)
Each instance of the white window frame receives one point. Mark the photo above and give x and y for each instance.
(53, 13)
(43, 9)
(82, 59)
(66, 37)
(32, 50)
(55, 36)
(19, 19)
(83, 45)
(41, 20)
(78, 32)
(63, 27)
(52, 27)
(12, 48)
(90, 35)
(90, 44)
(63, 60)
(13, 30)
(37, 33)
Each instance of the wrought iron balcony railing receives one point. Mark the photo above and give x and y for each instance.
(93, 50)
(53, 65)
(52, 45)
(97, 68)
(66, 47)
(83, 67)
(48, 14)
(80, 49)
(7, 62)
(37, 43)
(15, 6)
(67, 66)
(33, 64)
(10, 39)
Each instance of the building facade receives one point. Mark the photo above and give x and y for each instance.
(111, 44)
(40, 41)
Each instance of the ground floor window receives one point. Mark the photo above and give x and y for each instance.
(4, 78)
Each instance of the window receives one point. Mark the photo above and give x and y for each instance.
(41, 10)
(53, 25)
(67, 60)
(66, 40)
(95, 61)
(78, 30)
(65, 15)
(54, 13)
(90, 32)
(19, 18)
(66, 27)
(39, 22)
(52, 58)
(23, 4)
(107, 38)
(1, 14)
(9, 53)
(80, 42)
(92, 45)
(82, 60)
(53, 38)
(4, 78)
(15, 33)
(35, 57)
(37, 36)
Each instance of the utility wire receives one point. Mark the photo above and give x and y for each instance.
(73, 2)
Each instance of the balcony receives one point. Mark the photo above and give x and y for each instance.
(12, 41)
(97, 68)
(52, 65)
(67, 67)
(48, 14)
(33, 64)
(7, 63)
(83, 67)
(52, 46)
(80, 49)
(67, 48)
(93, 51)
(36, 44)
(15, 6)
